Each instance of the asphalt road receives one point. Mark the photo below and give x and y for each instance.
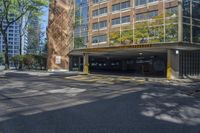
(69, 103)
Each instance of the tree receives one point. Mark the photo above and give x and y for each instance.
(1, 58)
(23, 25)
(44, 49)
(33, 40)
(11, 12)
(79, 42)
(155, 30)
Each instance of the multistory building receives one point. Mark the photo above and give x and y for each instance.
(13, 36)
(143, 37)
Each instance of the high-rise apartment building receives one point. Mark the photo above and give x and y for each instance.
(13, 40)
(143, 37)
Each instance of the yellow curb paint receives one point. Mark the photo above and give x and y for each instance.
(86, 69)
(169, 72)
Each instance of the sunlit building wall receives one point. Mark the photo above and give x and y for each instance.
(131, 22)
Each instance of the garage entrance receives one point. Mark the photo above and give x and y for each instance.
(143, 64)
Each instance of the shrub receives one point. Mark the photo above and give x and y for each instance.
(17, 60)
(28, 61)
(40, 61)
(1, 58)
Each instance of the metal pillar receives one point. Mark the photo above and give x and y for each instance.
(85, 63)
(172, 64)
(180, 21)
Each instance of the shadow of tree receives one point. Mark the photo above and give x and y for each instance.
(42, 104)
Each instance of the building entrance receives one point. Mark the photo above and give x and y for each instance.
(141, 65)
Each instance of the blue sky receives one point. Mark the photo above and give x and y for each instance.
(45, 19)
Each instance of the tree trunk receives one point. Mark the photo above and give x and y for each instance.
(7, 63)
(20, 51)
(20, 45)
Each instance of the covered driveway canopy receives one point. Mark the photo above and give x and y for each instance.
(132, 50)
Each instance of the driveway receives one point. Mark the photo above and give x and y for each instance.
(32, 102)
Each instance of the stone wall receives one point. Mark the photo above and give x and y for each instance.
(60, 34)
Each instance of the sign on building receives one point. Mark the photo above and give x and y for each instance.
(58, 60)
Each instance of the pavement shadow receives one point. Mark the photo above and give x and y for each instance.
(101, 108)
(139, 112)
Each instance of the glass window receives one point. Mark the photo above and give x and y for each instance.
(196, 9)
(141, 16)
(103, 24)
(186, 33)
(95, 13)
(140, 2)
(172, 11)
(115, 21)
(95, 26)
(85, 15)
(186, 8)
(99, 39)
(152, 1)
(81, 23)
(95, 39)
(99, 25)
(126, 19)
(103, 11)
(116, 7)
(144, 16)
(196, 34)
(95, 1)
(103, 38)
(152, 14)
(125, 5)
(98, 1)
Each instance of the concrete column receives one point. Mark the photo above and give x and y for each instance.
(85, 63)
(172, 64)
(180, 21)
(70, 63)
(79, 63)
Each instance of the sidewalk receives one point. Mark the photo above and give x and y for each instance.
(1, 68)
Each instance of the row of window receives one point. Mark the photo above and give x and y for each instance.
(124, 5)
(10, 47)
(11, 52)
(98, 1)
(100, 11)
(145, 16)
(126, 19)
(121, 20)
(103, 24)
(100, 25)
(143, 2)
(99, 39)
(137, 2)
(121, 6)
(116, 7)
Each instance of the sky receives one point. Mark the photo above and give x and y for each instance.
(45, 19)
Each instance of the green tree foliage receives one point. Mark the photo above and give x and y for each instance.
(79, 42)
(141, 32)
(78, 17)
(30, 61)
(154, 30)
(12, 11)
(1, 58)
(17, 60)
(115, 38)
(33, 40)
